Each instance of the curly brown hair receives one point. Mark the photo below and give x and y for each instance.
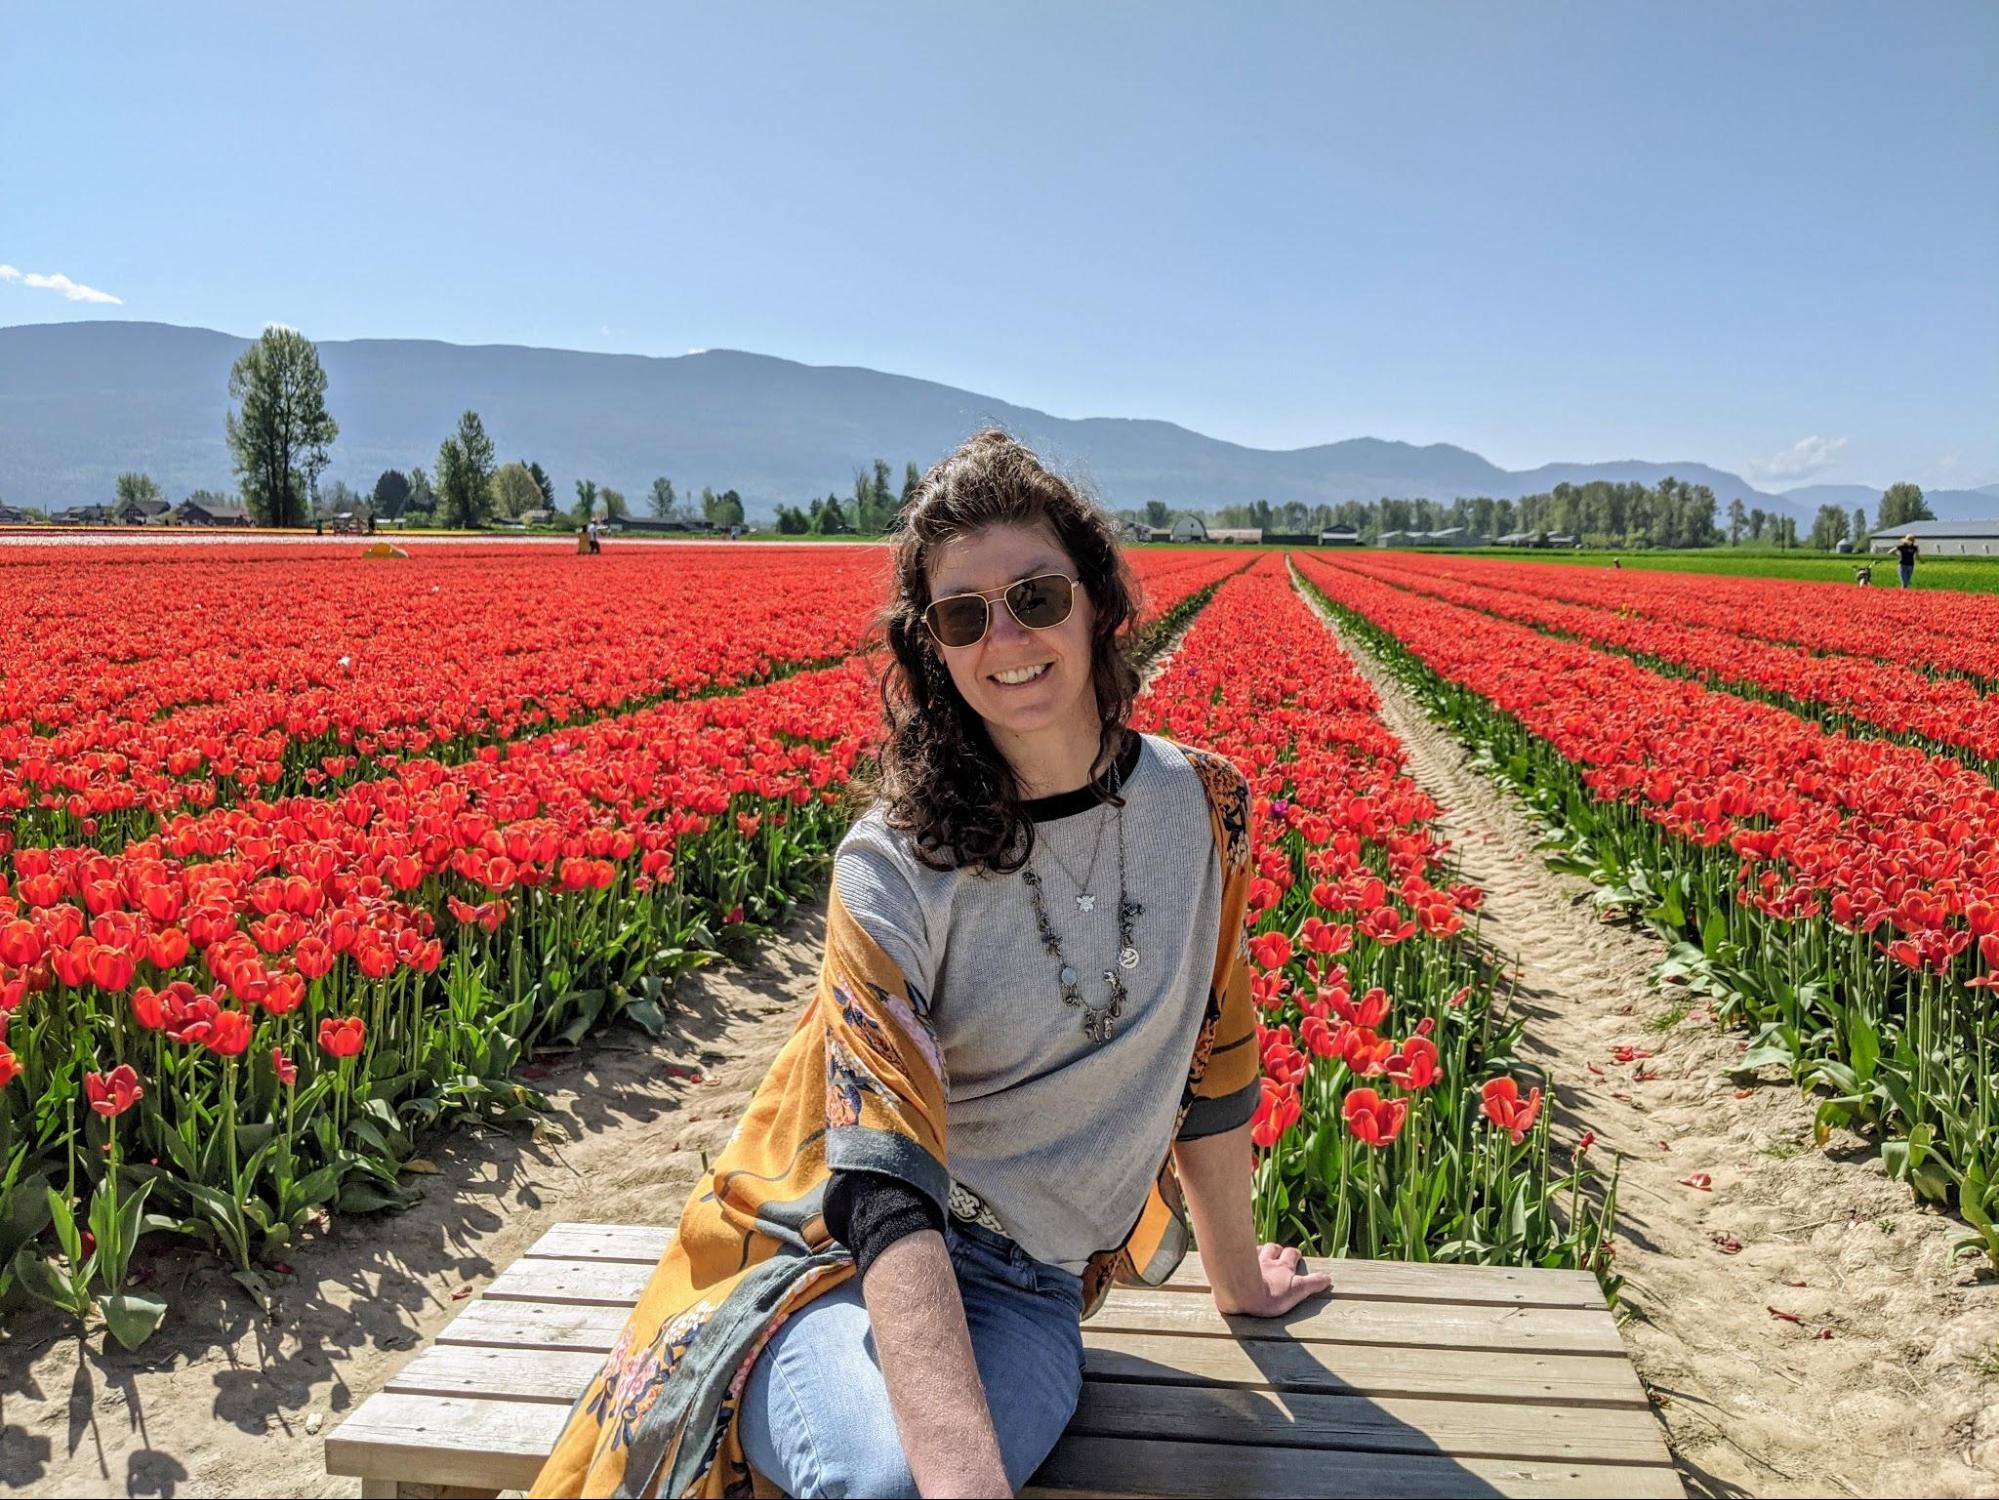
(940, 776)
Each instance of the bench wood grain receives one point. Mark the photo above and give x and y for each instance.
(1409, 1380)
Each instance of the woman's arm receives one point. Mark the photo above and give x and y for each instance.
(933, 1381)
(1254, 1281)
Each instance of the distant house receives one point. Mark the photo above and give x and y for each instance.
(1451, 536)
(1245, 535)
(1188, 528)
(82, 515)
(12, 517)
(1396, 539)
(1562, 539)
(1340, 536)
(1514, 539)
(657, 524)
(1942, 538)
(192, 512)
(1138, 531)
(140, 512)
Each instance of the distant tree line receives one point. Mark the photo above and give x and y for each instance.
(1598, 514)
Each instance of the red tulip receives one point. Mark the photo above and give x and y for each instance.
(1373, 1119)
(1506, 1109)
(286, 1070)
(344, 1037)
(114, 1093)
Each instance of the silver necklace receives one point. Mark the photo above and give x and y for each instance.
(1098, 1021)
(1086, 900)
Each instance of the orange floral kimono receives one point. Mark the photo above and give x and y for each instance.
(862, 1071)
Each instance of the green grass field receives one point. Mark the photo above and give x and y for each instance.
(1976, 575)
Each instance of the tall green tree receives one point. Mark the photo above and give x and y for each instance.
(1859, 526)
(911, 478)
(1901, 504)
(392, 493)
(514, 491)
(613, 502)
(278, 426)
(544, 484)
(723, 510)
(422, 502)
(665, 504)
(830, 519)
(465, 474)
(1829, 527)
(1738, 520)
(586, 501)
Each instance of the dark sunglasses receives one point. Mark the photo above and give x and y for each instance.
(1038, 603)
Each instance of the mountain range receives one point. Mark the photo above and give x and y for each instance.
(82, 402)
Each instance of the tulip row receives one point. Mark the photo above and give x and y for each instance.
(1949, 634)
(293, 987)
(1949, 715)
(1840, 895)
(218, 679)
(1391, 1123)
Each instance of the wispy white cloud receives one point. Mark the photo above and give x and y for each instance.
(74, 291)
(1805, 457)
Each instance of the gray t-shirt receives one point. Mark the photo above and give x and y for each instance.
(1059, 1136)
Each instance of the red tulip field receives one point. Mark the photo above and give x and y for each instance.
(311, 865)
(284, 895)
(1834, 890)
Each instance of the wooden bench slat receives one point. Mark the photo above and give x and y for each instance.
(497, 1373)
(1292, 1419)
(446, 1440)
(533, 1325)
(1502, 1327)
(1151, 1466)
(1403, 1281)
(1503, 1330)
(643, 1244)
(1360, 1369)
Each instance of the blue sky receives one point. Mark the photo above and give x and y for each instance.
(1757, 236)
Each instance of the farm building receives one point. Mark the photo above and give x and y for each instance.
(12, 517)
(193, 512)
(1448, 536)
(141, 512)
(1188, 528)
(1247, 535)
(1138, 531)
(1340, 536)
(1943, 538)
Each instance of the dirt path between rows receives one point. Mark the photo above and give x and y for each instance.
(223, 1401)
(1902, 1397)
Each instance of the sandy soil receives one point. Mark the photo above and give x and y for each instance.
(1887, 1383)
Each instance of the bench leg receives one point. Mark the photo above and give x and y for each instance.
(403, 1489)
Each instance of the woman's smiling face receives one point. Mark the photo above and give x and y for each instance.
(1060, 693)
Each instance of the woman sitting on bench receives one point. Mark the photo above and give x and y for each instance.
(1033, 1029)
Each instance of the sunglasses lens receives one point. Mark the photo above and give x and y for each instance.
(958, 621)
(1039, 603)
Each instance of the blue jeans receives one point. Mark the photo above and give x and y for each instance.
(815, 1413)
(1908, 572)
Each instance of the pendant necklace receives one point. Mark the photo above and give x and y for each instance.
(1086, 900)
(1098, 1021)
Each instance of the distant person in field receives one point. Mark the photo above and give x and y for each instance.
(1045, 908)
(1864, 575)
(1905, 560)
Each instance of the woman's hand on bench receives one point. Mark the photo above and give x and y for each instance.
(1285, 1283)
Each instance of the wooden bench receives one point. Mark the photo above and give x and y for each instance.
(1407, 1380)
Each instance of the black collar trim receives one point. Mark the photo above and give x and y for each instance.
(1084, 798)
